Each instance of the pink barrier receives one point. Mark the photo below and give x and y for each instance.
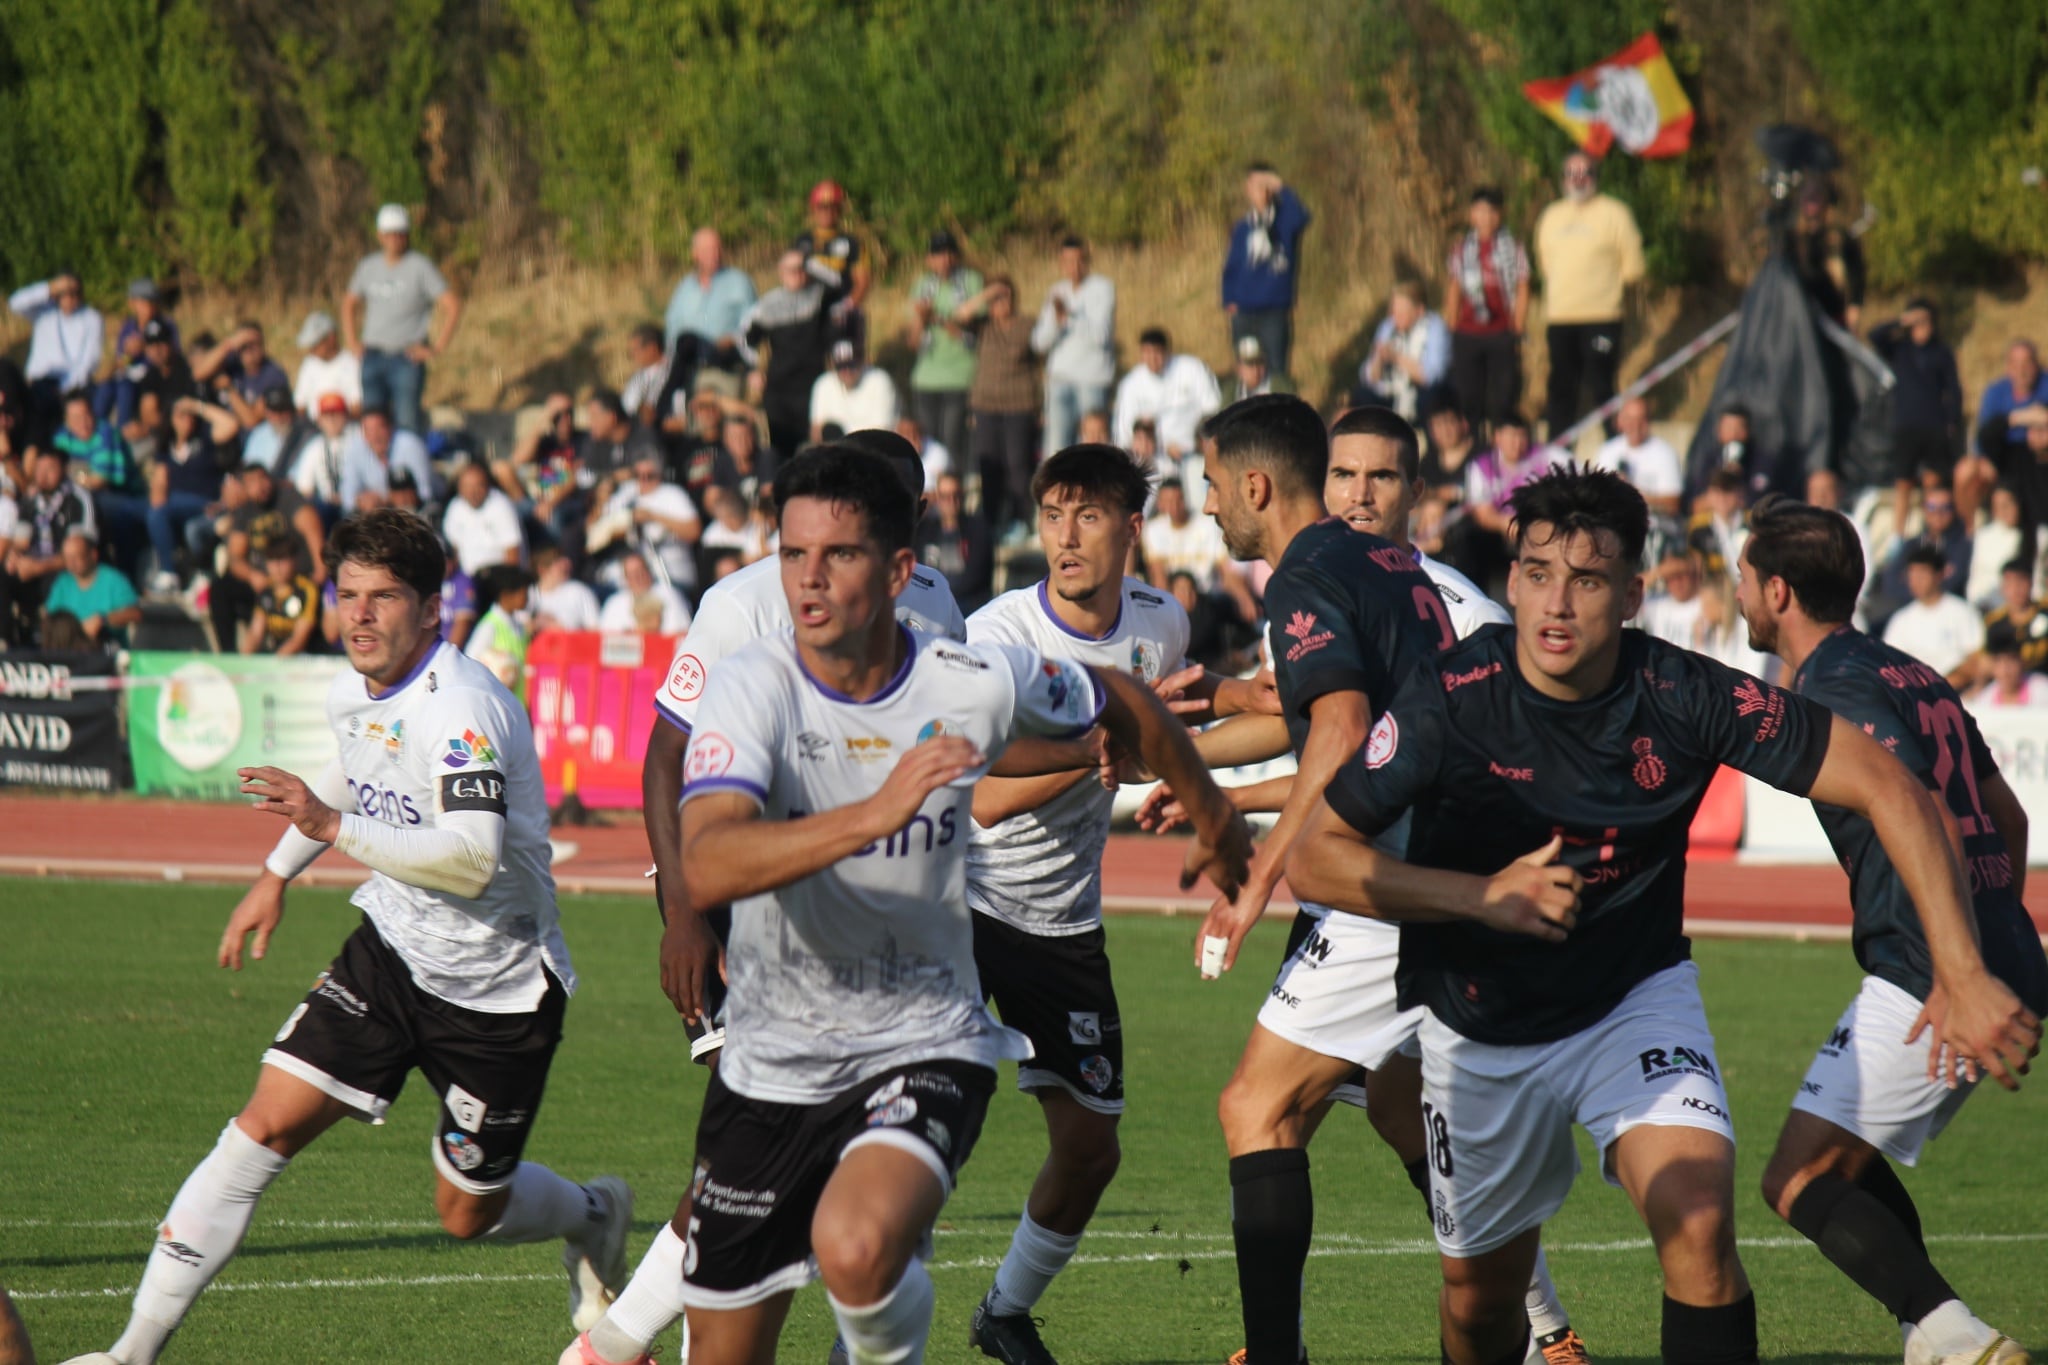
(592, 699)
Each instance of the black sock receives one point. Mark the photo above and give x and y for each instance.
(1869, 1244)
(1272, 1215)
(1882, 1183)
(1418, 1176)
(1514, 1357)
(1710, 1336)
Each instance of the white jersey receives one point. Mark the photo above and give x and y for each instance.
(869, 964)
(1468, 607)
(451, 738)
(750, 605)
(1041, 871)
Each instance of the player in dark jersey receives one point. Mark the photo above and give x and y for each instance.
(1354, 611)
(1553, 769)
(1873, 1094)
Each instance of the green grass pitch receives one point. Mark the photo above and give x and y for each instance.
(126, 1050)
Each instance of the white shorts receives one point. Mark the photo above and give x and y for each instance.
(1868, 1080)
(1335, 992)
(1499, 1117)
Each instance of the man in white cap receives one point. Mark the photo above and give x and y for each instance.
(326, 367)
(851, 396)
(389, 319)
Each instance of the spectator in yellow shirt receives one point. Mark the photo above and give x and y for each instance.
(1589, 252)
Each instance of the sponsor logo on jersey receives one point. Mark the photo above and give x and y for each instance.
(939, 1136)
(1904, 677)
(1511, 774)
(869, 749)
(1705, 1107)
(382, 803)
(1084, 1027)
(1149, 599)
(1838, 1039)
(710, 755)
(886, 1091)
(1315, 948)
(467, 1110)
(1384, 741)
(1649, 771)
(686, 677)
(1809, 1087)
(812, 745)
(178, 1251)
(462, 1152)
(375, 730)
(433, 682)
(484, 791)
(344, 998)
(959, 658)
(935, 729)
(1454, 681)
(394, 742)
(1659, 1062)
(1751, 699)
(1098, 1073)
(471, 748)
(894, 1114)
(1307, 639)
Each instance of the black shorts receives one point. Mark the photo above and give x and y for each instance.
(1918, 449)
(1056, 991)
(365, 1025)
(762, 1166)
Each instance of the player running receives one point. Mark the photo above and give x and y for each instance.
(827, 793)
(1553, 769)
(458, 969)
(1875, 1089)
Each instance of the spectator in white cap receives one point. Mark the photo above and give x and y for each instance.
(326, 367)
(1254, 372)
(389, 319)
(851, 396)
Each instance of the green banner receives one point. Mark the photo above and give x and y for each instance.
(193, 719)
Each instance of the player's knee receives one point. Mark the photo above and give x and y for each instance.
(1092, 1157)
(1484, 1313)
(857, 1260)
(465, 1216)
(1250, 1118)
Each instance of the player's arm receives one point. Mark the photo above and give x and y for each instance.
(261, 908)
(1197, 695)
(661, 787)
(1139, 723)
(2009, 818)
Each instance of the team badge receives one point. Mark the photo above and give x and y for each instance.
(394, 741)
(1649, 769)
(1145, 660)
(1383, 742)
(462, 1152)
(933, 729)
(686, 678)
(471, 748)
(1097, 1071)
(894, 1114)
(711, 754)
(1084, 1027)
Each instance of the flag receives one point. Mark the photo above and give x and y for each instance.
(1632, 99)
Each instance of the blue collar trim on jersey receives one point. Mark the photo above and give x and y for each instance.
(894, 685)
(1045, 604)
(407, 680)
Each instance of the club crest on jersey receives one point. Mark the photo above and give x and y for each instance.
(1145, 660)
(1649, 770)
(686, 677)
(935, 729)
(462, 1152)
(471, 748)
(1383, 742)
(1097, 1071)
(1307, 639)
(394, 741)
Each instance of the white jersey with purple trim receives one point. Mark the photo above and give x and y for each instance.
(869, 964)
(450, 738)
(750, 605)
(1041, 871)
(1464, 601)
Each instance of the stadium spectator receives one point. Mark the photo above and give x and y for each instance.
(185, 486)
(1076, 333)
(1094, 428)
(1410, 359)
(1004, 403)
(481, 524)
(730, 528)
(957, 543)
(1935, 626)
(1720, 632)
(697, 433)
(458, 601)
(650, 378)
(1718, 526)
(326, 367)
(271, 509)
(273, 440)
(944, 372)
(378, 446)
(792, 322)
(832, 257)
(1486, 306)
(102, 464)
(1927, 408)
(98, 596)
(287, 614)
(1942, 532)
(240, 371)
(708, 462)
(2011, 682)
(642, 605)
(1765, 471)
(2013, 405)
(389, 317)
(145, 303)
(1250, 375)
(505, 628)
(1828, 258)
(2002, 538)
(162, 372)
(706, 318)
(561, 601)
(935, 456)
(65, 343)
(647, 515)
(2018, 617)
(1451, 445)
(1261, 267)
(1218, 638)
(1673, 612)
(1175, 391)
(1477, 543)
(851, 396)
(317, 470)
(1643, 458)
(547, 479)
(612, 443)
(751, 468)
(48, 508)
(1175, 540)
(1589, 251)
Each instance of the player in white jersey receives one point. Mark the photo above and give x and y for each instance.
(1330, 1029)
(458, 969)
(827, 794)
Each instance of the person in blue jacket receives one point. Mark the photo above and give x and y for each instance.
(1259, 272)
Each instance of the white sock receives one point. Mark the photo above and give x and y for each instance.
(649, 1304)
(1546, 1314)
(545, 1206)
(1952, 1329)
(893, 1331)
(199, 1234)
(1036, 1254)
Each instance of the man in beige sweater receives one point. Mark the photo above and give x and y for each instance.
(1589, 252)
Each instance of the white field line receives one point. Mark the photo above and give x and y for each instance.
(1339, 1246)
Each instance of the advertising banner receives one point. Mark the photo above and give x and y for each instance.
(60, 722)
(193, 719)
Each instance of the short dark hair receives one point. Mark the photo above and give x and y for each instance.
(895, 450)
(1734, 410)
(370, 410)
(1105, 473)
(1258, 168)
(1927, 555)
(1175, 484)
(392, 539)
(648, 333)
(1388, 425)
(1073, 242)
(1280, 434)
(1580, 501)
(1509, 419)
(1487, 194)
(1155, 336)
(78, 396)
(846, 476)
(494, 581)
(284, 545)
(2016, 566)
(1814, 550)
(1728, 479)
(609, 400)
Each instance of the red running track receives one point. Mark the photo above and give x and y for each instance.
(139, 839)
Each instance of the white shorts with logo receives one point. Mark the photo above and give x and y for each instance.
(1869, 1080)
(1499, 1117)
(1335, 993)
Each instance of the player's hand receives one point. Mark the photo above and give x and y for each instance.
(1161, 811)
(919, 773)
(259, 912)
(282, 793)
(1534, 895)
(1171, 688)
(1222, 853)
(689, 950)
(1231, 917)
(1987, 1028)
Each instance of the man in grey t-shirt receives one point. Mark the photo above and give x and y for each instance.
(389, 319)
